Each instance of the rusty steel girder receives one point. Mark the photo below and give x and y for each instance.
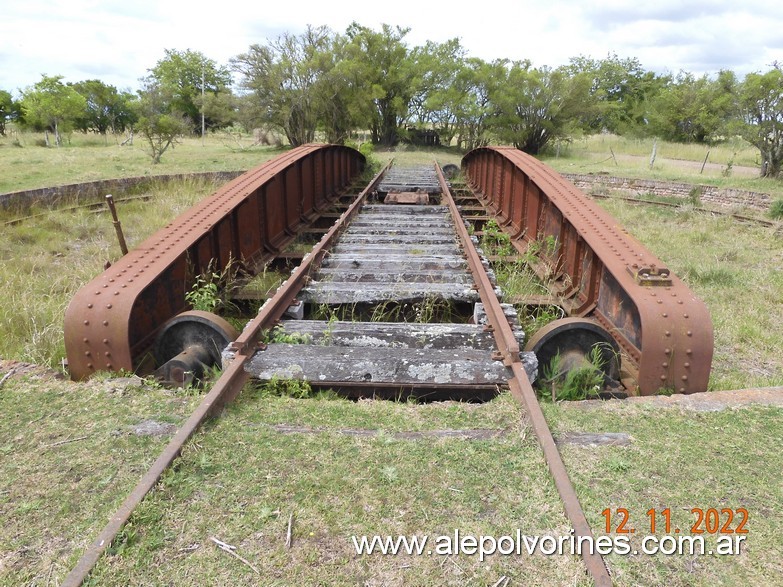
(112, 321)
(598, 270)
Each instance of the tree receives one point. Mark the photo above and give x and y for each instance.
(286, 79)
(51, 105)
(185, 75)
(106, 108)
(435, 70)
(9, 110)
(761, 108)
(619, 92)
(337, 97)
(159, 122)
(381, 70)
(691, 109)
(462, 108)
(536, 106)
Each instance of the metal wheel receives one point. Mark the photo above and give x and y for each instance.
(450, 171)
(189, 343)
(573, 339)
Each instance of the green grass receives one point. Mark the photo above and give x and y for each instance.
(241, 481)
(673, 162)
(241, 478)
(682, 460)
(68, 458)
(86, 158)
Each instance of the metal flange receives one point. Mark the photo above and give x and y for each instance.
(573, 339)
(189, 343)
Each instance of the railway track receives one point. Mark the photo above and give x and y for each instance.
(398, 250)
(713, 212)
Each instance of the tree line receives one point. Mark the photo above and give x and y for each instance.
(333, 84)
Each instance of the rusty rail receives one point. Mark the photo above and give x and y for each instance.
(598, 270)
(112, 321)
(225, 390)
(523, 392)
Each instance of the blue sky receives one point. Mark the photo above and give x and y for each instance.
(117, 41)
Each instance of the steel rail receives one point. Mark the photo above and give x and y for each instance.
(724, 213)
(225, 389)
(523, 392)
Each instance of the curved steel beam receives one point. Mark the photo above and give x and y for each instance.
(598, 269)
(111, 322)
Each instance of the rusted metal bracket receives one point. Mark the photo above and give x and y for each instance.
(651, 276)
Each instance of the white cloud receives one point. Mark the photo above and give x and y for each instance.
(119, 40)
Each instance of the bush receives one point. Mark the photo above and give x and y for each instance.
(776, 209)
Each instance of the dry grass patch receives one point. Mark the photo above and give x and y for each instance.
(45, 260)
(26, 165)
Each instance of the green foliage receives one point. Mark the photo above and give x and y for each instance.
(694, 196)
(289, 87)
(159, 122)
(776, 209)
(535, 319)
(9, 110)
(125, 540)
(51, 105)
(284, 387)
(761, 112)
(689, 109)
(494, 241)
(279, 335)
(380, 66)
(106, 109)
(210, 290)
(185, 76)
(432, 309)
(204, 293)
(536, 106)
(710, 275)
(575, 383)
(619, 91)
(726, 171)
(373, 164)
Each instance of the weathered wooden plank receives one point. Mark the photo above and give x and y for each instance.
(388, 228)
(329, 365)
(398, 238)
(328, 292)
(391, 334)
(412, 249)
(403, 209)
(395, 262)
(401, 221)
(385, 274)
